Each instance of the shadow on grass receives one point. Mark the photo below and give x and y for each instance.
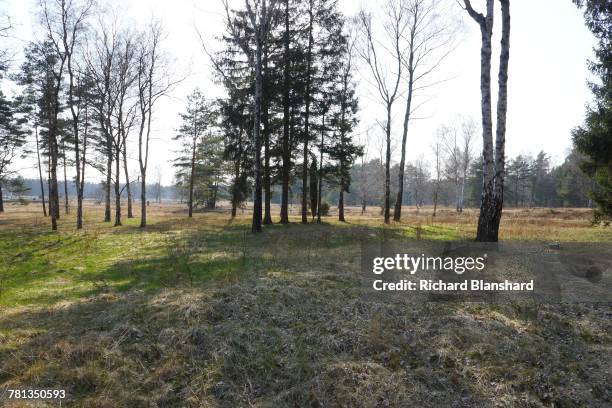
(294, 342)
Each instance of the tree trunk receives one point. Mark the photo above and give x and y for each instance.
(320, 178)
(81, 181)
(397, 213)
(117, 188)
(461, 194)
(388, 168)
(341, 206)
(257, 205)
(502, 108)
(307, 116)
(267, 219)
(1, 199)
(235, 193)
(53, 193)
(143, 200)
(42, 185)
(66, 205)
(486, 231)
(286, 169)
(75, 133)
(313, 189)
(128, 188)
(435, 202)
(107, 186)
(49, 182)
(192, 173)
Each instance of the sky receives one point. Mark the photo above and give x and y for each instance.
(548, 76)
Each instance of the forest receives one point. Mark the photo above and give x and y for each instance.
(175, 240)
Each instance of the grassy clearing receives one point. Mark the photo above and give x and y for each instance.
(201, 313)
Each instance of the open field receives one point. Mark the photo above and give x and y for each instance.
(200, 313)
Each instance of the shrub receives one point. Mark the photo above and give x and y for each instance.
(324, 209)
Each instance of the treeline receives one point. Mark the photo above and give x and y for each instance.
(287, 119)
(530, 182)
(20, 187)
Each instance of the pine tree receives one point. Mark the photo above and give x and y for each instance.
(12, 139)
(594, 138)
(196, 121)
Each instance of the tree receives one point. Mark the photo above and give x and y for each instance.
(594, 137)
(34, 80)
(5, 29)
(12, 139)
(153, 82)
(73, 20)
(437, 151)
(572, 185)
(519, 174)
(418, 176)
(260, 18)
(458, 156)
(542, 185)
(494, 161)
(468, 130)
(196, 120)
(429, 41)
(387, 81)
(343, 120)
(53, 18)
(100, 62)
(125, 75)
(286, 142)
(237, 149)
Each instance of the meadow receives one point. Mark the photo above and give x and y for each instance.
(201, 313)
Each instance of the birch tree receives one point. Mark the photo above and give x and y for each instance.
(377, 54)
(493, 155)
(153, 81)
(430, 35)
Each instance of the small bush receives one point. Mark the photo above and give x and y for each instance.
(324, 209)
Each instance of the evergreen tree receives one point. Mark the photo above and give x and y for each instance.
(196, 121)
(12, 139)
(594, 138)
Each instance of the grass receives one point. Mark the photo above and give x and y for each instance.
(199, 312)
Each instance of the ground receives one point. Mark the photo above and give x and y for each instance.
(201, 313)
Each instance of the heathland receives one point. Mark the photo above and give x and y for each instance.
(200, 312)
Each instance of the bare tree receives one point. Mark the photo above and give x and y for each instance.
(125, 111)
(73, 18)
(468, 130)
(158, 181)
(459, 153)
(493, 163)
(429, 41)
(419, 177)
(377, 53)
(100, 61)
(437, 151)
(153, 82)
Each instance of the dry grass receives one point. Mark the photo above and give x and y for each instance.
(199, 313)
